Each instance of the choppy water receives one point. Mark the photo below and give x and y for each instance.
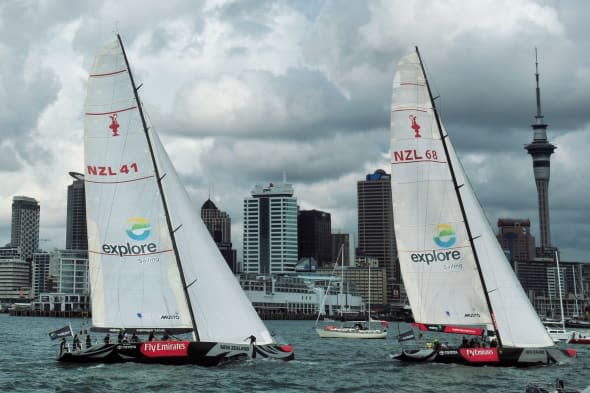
(27, 364)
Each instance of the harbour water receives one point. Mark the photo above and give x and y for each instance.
(27, 364)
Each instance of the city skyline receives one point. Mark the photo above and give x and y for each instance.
(242, 92)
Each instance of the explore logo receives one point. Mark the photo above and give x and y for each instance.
(446, 236)
(140, 228)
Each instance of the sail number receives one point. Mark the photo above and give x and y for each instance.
(414, 155)
(110, 171)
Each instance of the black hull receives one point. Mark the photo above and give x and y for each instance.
(507, 357)
(206, 354)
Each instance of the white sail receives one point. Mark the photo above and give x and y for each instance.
(436, 257)
(517, 321)
(133, 275)
(136, 277)
(222, 310)
(436, 260)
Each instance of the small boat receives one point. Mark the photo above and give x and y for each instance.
(456, 275)
(579, 338)
(351, 329)
(154, 267)
(558, 334)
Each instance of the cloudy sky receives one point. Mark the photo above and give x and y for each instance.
(242, 91)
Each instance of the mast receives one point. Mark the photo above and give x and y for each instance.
(575, 291)
(159, 181)
(559, 287)
(458, 193)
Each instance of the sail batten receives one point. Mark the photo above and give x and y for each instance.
(447, 270)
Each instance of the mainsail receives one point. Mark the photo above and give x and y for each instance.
(153, 264)
(449, 256)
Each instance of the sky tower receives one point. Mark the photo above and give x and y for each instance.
(540, 149)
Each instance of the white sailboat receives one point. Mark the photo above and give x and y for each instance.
(351, 329)
(455, 273)
(154, 267)
(557, 331)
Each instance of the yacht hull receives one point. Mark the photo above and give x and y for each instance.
(351, 333)
(177, 352)
(507, 357)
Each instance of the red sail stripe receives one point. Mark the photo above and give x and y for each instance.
(411, 162)
(122, 181)
(130, 255)
(107, 73)
(108, 113)
(410, 109)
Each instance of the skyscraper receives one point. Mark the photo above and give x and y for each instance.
(314, 232)
(25, 226)
(540, 149)
(270, 230)
(40, 274)
(76, 235)
(375, 226)
(219, 225)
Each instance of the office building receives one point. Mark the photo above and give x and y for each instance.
(76, 235)
(41, 274)
(314, 232)
(344, 242)
(25, 226)
(219, 225)
(515, 238)
(376, 237)
(270, 230)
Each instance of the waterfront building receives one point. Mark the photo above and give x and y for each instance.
(72, 288)
(219, 225)
(41, 274)
(25, 226)
(270, 230)
(14, 276)
(300, 296)
(72, 272)
(515, 237)
(361, 277)
(314, 235)
(540, 150)
(76, 235)
(376, 237)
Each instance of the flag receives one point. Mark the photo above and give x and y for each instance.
(63, 332)
(406, 336)
(385, 324)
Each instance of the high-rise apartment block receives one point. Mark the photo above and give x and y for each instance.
(76, 235)
(15, 280)
(219, 225)
(315, 235)
(25, 226)
(270, 230)
(376, 236)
